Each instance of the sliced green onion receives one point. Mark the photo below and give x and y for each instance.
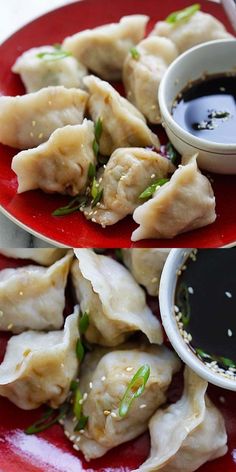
(227, 362)
(183, 15)
(97, 198)
(81, 423)
(73, 385)
(56, 55)
(98, 129)
(202, 354)
(91, 171)
(48, 419)
(73, 206)
(118, 254)
(135, 389)
(77, 406)
(84, 323)
(79, 350)
(152, 188)
(135, 53)
(182, 299)
(95, 148)
(172, 153)
(96, 192)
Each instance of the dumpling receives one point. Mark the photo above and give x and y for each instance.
(28, 120)
(122, 124)
(198, 28)
(127, 174)
(182, 435)
(45, 256)
(110, 375)
(184, 203)
(142, 74)
(146, 266)
(104, 49)
(59, 165)
(114, 301)
(33, 297)
(48, 65)
(38, 367)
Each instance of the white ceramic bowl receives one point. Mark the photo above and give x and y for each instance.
(214, 57)
(174, 261)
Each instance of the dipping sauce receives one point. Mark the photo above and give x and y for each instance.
(205, 307)
(207, 108)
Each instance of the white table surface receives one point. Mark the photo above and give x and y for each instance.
(13, 15)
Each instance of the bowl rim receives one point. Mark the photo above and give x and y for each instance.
(172, 330)
(181, 133)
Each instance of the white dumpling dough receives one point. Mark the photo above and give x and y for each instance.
(38, 367)
(28, 120)
(122, 124)
(36, 72)
(128, 173)
(199, 28)
(61, 164)
(146, 266)
(188, 433)
(142, 76)
(115, 303)
(43, 256)
(184, 203)
(104, 49)
(33, 297)
(110, 379)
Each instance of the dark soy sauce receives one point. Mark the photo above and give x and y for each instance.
(207, 108)
(206, 295)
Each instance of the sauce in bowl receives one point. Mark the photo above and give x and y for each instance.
(206, 108)
(205, 307)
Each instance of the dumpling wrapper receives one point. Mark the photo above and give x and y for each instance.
(199, 28)
(146, 266)
(61, 164)
(28, 120)
(188, 433)
(115, 303)
(122, 124)
(38, 367)
(127, 174)
(104, 49)
(110, 374)
(37, 73)
(184, 203)
(33, 297)
(142, 75)
(44, 256)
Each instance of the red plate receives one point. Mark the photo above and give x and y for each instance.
(32, 210)
(51, 451)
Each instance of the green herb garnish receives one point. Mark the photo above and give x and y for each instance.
(97, 132)
(202, 354)
(135, 389)
(152, 188)
(73, 206)
(84, 323)
(81, 423)
(77, 405)
(118, 254)
(73, 385)
(226, 362)
(79, 350)
(56, 55)
(49, 418)
(96, 193)
(91, 171)
(172, 154)
(182, 299)
(135, 53)
(183, 15)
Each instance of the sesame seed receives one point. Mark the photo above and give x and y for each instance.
(103, 378)
(94, 220)
(78, 439)
(230, 333)
(67, 434)
(76, 447)
(31, 134)
(81, 401)
(21, 293)
(10, 326)
(176, 309)
(85, 396)
(33, 123)
(90, 385)
(107, 412)
(190, 290)
(228, 294)
(143, 406)
(40, 136)
(82, 431)
(113, 414)
(129, 369)
(153, 176)
(154, 280)
(72, 437)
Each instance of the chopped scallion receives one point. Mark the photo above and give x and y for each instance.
(81, 423)
(84, 323)
(183, 15)
(152, 188)
(135, 53)
(49, 418)
(135, 389)
(79, 350)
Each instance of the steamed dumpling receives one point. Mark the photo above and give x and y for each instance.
(199, 28)
(33, 297)
(59, 165)
(122, 124)
(188, 433)
(41, 256)
(115, 303)
(128, 173)
(184, 203)
(53, 68)
(110, 374)
(142, 75)
(146, 266)
(38, 367)
(28, 120)
(104, 49)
